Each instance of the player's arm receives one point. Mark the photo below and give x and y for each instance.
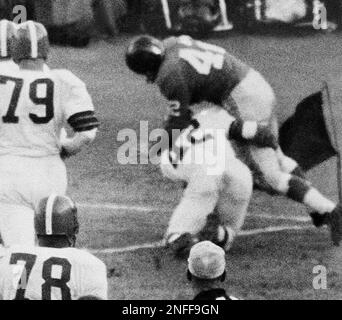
(252, 133)
(175, 88)
(70, 146)
(80, 116)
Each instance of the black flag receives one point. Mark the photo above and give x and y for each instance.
(306, 135)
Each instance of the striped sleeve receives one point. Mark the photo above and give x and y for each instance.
(83, 121)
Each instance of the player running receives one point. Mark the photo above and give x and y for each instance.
(7, 33)
(55, 270)
(35, 106)
(189, 71)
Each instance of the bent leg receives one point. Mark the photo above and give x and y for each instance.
(234, 199)
(235, 195)
(198, 201)
(287, 184)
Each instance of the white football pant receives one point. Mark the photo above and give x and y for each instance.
(24, 182)
(254, 99)
(214, 180)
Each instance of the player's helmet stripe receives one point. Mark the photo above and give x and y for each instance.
(3, 37)
(48, 214)
(34, 39)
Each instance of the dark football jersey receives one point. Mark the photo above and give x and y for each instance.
(195, 71)
(215, 294)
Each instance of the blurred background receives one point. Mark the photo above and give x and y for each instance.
(75, 22)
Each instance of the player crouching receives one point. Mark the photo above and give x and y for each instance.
(54, 270)
(219, 185)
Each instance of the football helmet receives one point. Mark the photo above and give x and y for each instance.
(57, 216)
(145, 55)
(31, 42)
(7, 33)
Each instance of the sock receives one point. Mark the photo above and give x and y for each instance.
(226, 237)
(172, 237)
(301, 191)
(315, 200)
(298, 172)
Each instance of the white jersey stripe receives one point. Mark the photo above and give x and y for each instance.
(3, 37)
(48, 214)
(34, 39)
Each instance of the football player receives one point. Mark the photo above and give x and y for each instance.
(36, 105)
(219, 185)
(55, 270)
(189, 71)
(7, 32)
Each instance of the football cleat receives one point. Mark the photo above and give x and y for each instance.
(31, 42)
(319, 220)
(145, 55)
(7, 33)
(182, 245)
(211, 229)
(217, 233)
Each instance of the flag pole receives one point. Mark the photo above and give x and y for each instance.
(339, 175)
(336, 146)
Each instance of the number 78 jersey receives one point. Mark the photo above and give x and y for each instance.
(195, 71)
(35, 106)
(37, 273)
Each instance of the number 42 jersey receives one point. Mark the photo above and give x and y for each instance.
(36, 105)
(195, 71)
(38, 273)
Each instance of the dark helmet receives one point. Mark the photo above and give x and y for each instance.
(145, 55)
(7, 33)
(57, 216)
(31, 41)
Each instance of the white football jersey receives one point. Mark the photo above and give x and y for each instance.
(37, 273)
(35, 106)
(8, 66)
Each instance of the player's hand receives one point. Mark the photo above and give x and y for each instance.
(64, 154)
(180, 122)
(264, 138)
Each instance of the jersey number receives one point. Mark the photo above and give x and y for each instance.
(47, 101)
(184, 142)
(203, 59)
(50, 282)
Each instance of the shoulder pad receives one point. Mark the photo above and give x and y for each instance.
(68, 77)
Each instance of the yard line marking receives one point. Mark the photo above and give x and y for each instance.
(113, 206)
(151, 245)
(159, 244)
(141, 209)
(281, 217)
(272, 229)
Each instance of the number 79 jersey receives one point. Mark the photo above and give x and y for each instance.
(35, 106)
(195, 71)
(38, 273)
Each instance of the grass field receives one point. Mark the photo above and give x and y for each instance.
(124, 209)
